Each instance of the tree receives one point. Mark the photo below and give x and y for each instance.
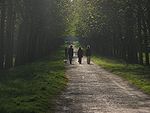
(2, 26)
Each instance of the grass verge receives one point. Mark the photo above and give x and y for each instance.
(137, 75)
(31, 88)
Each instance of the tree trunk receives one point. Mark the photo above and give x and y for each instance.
(146, 52)
(2, 26)
(140, 40)
(9, 36)
(131, 49)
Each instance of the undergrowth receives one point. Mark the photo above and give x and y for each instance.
(31, 88)
(138, 75)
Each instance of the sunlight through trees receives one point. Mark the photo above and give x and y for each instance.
(30, 29)
(118, 28)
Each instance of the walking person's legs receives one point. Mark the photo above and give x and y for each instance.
(80, 60)
(88, 59)
(70, 60)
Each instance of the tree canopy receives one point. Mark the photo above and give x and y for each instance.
(31, 29)
(119, 28)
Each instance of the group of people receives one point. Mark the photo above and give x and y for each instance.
(69, 52)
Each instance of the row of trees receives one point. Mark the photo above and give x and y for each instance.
(118, 28)
(29, 29)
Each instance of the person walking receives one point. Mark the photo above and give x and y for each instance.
(70, 54)
(88, 54)
(80, 55)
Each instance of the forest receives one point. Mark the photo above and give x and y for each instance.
(116, 28)
(32, 60)
(30, 29)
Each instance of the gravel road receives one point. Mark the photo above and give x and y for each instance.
(92, 89)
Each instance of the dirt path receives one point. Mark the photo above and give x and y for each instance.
(91, 89)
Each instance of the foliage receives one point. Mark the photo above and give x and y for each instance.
(118, 28)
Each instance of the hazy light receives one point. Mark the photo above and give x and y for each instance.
(71, 0)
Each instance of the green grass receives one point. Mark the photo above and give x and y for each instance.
(32, 88)
(136, 74)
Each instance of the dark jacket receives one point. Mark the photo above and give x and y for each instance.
(80, 53)
(88, 52)
(70, 52)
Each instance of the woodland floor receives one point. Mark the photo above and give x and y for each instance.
(91, 89)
